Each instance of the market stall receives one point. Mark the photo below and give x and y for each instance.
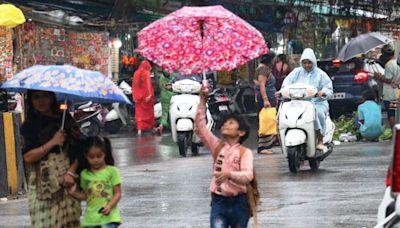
(38, 43)
(6, 53)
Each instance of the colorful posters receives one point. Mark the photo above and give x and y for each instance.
(42, 44)
(6, 54)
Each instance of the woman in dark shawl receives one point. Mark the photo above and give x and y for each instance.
(50, 155)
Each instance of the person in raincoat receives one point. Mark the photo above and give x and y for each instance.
(166, 94)
(310, 74)
(143, 95)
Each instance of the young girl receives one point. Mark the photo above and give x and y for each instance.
(101, 185)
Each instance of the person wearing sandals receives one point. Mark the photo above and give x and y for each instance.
(266, 97)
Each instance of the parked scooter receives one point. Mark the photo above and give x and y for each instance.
(296, 123)
(243, 99)
(218, 104)
(121, 115)
(116, 118)
(182, 113)
(86, 115)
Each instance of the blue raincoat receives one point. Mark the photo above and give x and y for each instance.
(317, 78)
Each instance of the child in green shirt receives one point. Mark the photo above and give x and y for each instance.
(101, 185)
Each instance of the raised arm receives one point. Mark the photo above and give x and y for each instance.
(200, 126)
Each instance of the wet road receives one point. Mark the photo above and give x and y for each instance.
(162, 190)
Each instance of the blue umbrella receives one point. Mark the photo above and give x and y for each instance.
(68, 82)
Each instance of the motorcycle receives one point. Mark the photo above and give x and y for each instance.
(296, 124)
(182, 112)
(218, 103)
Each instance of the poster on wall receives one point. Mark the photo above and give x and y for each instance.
(6, 54)
(42, 44)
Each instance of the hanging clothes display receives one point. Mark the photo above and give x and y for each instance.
(6, 53)
(43, 44)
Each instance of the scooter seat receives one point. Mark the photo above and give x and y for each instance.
(87, 105)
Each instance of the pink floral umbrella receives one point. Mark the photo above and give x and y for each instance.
(193, 40)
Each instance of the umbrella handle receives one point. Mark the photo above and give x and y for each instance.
(63, 120)
(63, 117)
(205, 82)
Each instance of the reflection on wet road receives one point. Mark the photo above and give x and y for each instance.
(160, 189)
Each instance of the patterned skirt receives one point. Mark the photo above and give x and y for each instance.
(55, 210)
(59, 212)
(266, 142)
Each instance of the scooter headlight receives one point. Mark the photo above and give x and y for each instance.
(297, 93)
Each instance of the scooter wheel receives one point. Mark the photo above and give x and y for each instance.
(93, 129)
(182, 143)
(113, 127)
(314, 163)
(195, 149)
(294, 154)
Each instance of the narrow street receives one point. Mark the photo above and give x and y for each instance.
(160, 189)
(128, 70)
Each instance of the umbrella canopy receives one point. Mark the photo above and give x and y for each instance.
(68, 82)
(362, 44)
(193, 40)
(10, 16)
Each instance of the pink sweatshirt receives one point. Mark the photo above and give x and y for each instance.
(241, 169)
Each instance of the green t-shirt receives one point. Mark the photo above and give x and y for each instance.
(99, 189)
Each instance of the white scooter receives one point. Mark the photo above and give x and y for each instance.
(296, 124)
(182, 113)
(119, 116)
